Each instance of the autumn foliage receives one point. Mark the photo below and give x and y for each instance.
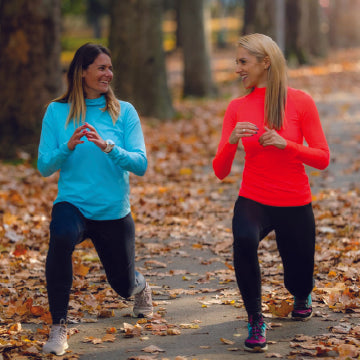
(179, 201)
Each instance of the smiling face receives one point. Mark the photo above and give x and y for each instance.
(97, 76)
(253, 72)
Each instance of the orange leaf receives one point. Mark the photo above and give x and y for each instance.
(282, 310)
(20, 249)
(108, 338)
(9, 219)
(80, 269)
(229, 266)
(46, 317)
(106, 313)
(185, 171)
(111, 330)
(227, 342)
(37, 310)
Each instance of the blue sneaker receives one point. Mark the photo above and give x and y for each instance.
(256, 341)
(302, 309)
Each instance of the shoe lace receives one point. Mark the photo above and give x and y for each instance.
(256, 328)
(58, 333)
(302, 304)
(143, 297)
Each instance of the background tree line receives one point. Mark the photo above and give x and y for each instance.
(31, 42)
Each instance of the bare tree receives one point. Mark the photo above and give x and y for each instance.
(195, 39)
(136, 42)
(30, 71)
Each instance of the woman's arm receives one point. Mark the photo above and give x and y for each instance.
(51, 154)
(317, 153)
(132, 157)
(226, 152)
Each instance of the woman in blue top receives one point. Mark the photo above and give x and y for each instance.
(94, 140)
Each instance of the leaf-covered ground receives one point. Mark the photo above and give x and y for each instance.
(180, 205)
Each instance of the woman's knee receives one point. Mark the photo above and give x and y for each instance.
(63, 236)
(123, 286)
(245, 243)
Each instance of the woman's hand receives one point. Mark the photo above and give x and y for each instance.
(76, 137)
(93, 136)
(271, 137)
(242, 129)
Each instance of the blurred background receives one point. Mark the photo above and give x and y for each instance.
(162, 50)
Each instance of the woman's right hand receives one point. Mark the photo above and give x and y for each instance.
(242, 129)
(76, 137)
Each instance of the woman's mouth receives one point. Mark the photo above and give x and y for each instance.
(243, 77)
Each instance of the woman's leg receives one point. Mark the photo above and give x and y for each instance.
(250, 225)
(114, 241)
(67, 229)
(295, 236)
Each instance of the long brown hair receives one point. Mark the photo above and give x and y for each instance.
(262, 46)
(75, 94)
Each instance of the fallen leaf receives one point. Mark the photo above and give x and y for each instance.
(152, 349)
(227, 342)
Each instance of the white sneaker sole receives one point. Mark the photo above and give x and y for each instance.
(57, 353)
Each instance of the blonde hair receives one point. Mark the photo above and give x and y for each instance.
(262, 46)
(75, 94)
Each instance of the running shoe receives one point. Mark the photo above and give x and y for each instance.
(302, 309)
(143, 306)
(256, 341)
(57, 342)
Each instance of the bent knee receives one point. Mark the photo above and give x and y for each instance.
(62, 237)
(122, 287)
(245, 243)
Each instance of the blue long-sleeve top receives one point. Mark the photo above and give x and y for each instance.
(95, 182)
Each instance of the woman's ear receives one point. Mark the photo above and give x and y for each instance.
(266, 62)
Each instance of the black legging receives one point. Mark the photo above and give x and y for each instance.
(114, 241)
(295, 237)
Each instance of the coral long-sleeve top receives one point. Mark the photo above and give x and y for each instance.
(273, 176)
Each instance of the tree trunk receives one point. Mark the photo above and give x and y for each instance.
(30, 71)
(313, 29)
(259, 17)
(249, 16)
(195, 38)
(303, 30)
(136, 42)
(305, 34)
(344, 23)
(295, 53)
(280, 15)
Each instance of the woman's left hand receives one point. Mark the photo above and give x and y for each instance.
(271, 137)
(93, 136)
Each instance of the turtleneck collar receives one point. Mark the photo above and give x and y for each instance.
(100, 101)
(259, 91)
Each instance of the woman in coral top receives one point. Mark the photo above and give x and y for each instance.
(272, 121)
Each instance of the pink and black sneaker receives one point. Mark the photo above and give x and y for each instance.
(302, 309)
(256, 341)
